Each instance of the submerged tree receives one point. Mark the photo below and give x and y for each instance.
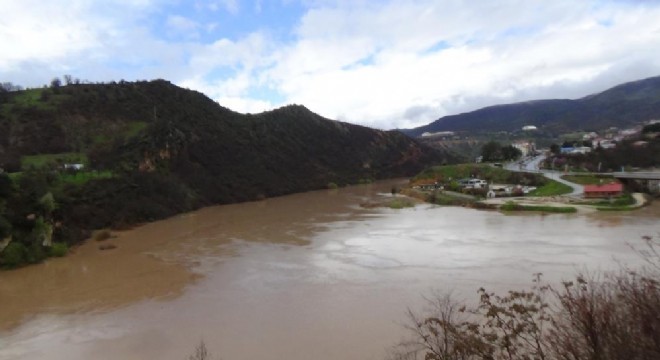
(201, 353)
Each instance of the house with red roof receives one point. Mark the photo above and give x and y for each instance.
(603, 190)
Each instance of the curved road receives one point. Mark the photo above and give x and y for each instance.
(532, 165)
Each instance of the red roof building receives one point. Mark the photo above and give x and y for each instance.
(606, 190)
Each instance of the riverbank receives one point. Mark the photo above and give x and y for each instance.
(580, 205)
(548, 204)
(553, 194)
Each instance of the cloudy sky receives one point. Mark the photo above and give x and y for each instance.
(384, 64)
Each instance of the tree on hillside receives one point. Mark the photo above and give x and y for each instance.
(651, 128)
(55, 83)
(491, 151)
(555, 149)
(5, 228)
(510, 152)
(5, 89)
(8, 87)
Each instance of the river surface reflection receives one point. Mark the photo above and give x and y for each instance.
(306, 276)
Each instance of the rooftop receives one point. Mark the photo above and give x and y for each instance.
(614, 187)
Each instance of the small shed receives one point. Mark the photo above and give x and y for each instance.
(603, 191)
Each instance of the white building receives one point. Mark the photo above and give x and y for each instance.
(525, 147)
(74, 166)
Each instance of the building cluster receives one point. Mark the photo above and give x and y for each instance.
(440, 135)
(527, 148)
(607, 139)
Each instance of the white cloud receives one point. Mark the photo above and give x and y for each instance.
(245, 105)
(504, 52)
(183, 25)
(230, 6)
(44, 39)
(390, 64)
(37, 31)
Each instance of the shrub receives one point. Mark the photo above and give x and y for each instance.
(400, 203)
(14, 255)
(512, 206)
(609, 316)
(5, 228)
(58, 249)
(36, 253)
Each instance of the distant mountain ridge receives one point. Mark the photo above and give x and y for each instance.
(620, 106)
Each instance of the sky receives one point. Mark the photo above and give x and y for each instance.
(383, 64)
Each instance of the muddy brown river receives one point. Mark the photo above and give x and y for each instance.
(306, 276)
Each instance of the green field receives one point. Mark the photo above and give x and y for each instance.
(588, 179)
(34, 98)
(41, 160)
(134, 127)
(127, 130)
(28, 97)
(552, 188)
(450, 173)
(545, 187)
(621, 203)
(460, 171)
(74, 178)
(400, 203)
(510, 206)
(615, 208)
(82, 177)
(55, 162)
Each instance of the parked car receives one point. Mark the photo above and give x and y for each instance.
(473, 184)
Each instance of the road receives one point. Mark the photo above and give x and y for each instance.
(532, 165)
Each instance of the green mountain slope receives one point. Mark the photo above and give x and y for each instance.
(621, 106)
(156, 150)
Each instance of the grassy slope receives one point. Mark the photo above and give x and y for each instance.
(486, 172)
(41, 160)
(551, 209)
(552, 188)
(460, 171)
(588, 179)
(546, 187)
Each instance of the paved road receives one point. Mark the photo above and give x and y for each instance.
(532, 165)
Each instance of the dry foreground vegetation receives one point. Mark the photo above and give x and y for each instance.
(597, 316)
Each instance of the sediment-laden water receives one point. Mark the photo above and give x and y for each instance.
(306, 276)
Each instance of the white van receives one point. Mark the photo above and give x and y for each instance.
(476, 184)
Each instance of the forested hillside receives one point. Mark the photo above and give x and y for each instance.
(151, 150)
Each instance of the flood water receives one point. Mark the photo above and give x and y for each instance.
(306, 276)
